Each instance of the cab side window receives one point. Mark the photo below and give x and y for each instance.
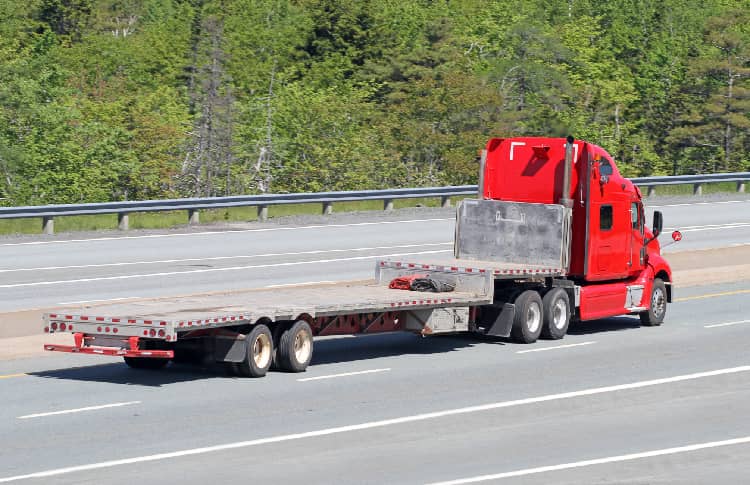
(605, 217)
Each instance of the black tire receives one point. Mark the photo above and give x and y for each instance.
(556, 310)
(527, 322)
(277, 330)
(151, 363)
(259, 353)
(295, 347)
(657, 307)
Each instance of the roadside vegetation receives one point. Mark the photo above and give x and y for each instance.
(104, 100)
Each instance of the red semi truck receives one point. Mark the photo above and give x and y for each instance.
(555, 235)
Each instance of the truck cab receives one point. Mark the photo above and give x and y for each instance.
(614, 259)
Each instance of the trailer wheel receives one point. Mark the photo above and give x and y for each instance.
(259, 352)
(295, 347)
(145, 362)
(658, 305)
(527, 323)
(556, 309)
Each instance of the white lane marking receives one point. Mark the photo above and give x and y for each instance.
(306, 283)
(345, 374)
(213, 270)
(241, 231)
(710, 227)
(726, 324)
(599, 461)
(375, 424)
(556, 347)
(698, 203)
(221, 258)
(80, 410)
(97, 301)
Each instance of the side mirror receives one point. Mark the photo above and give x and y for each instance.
(657, 225)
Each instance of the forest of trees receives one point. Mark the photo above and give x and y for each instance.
(137, 99)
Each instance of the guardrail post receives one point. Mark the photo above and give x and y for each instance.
(327, 208)
(123, 221)
(651, 190)
(445, 201)
(48, 225)
(194, 217)
(697, 189)
(388, 205)
(741, 186)
(262, 212)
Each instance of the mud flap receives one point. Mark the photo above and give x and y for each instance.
(498, 321)
(229, 348)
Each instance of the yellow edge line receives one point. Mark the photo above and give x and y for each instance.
(8, 376)
(713, 295)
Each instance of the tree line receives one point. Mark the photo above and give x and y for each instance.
(137, 99)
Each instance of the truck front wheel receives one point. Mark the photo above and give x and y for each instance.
(556, 306)
(657, 308)
(259, 352)
(295, 347)
(527, 322)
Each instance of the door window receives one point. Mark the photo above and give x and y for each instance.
(605, 217)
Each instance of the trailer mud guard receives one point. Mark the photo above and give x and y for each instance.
(498, 321)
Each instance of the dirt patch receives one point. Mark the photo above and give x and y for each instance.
(710, 266)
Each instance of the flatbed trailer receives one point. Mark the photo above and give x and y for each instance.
(213, 327)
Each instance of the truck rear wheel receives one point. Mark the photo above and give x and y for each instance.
(556, 309)
(527, 322)
(259, 352)
(657, 306)
(295, 347)
(145, 362)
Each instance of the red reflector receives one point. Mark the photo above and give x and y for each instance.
(53, 326)
(106, 329)
(46, 329)
(152, 332)
(70, 327)
(114, 330)
(63, 327)
(145, 332)
(169, 337)
(98, 329)
(162, 333)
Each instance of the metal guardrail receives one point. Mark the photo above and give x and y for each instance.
(262, 202)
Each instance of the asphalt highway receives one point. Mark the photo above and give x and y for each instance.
(611, 403)
(41, 273)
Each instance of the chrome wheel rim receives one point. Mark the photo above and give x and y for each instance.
(534, 317)
(262, 350)
(302, 346)
(560, 314)
(658, 302)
